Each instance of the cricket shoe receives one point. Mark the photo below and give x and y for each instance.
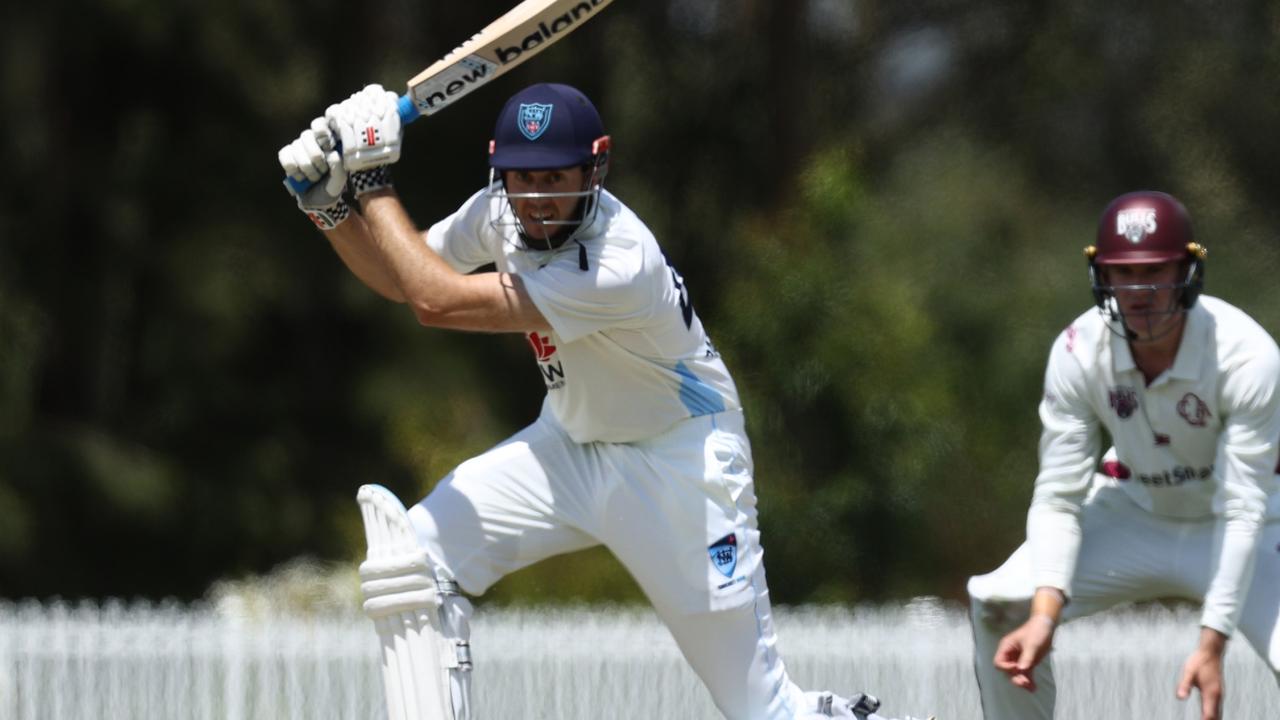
(859, 706)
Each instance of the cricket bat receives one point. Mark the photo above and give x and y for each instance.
(526, 29)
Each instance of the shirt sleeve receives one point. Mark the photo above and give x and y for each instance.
(616, 289)
(1246, 466)
(1069, 447)
(460, 238)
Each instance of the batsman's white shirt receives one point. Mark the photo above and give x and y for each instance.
(1199, 441)
(627, 356)
(640, 446)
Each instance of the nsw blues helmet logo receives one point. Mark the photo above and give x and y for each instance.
(534, 119)
(724, 554)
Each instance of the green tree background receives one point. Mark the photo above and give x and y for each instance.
(879, 207)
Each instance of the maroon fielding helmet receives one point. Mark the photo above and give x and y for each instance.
(1146, 227)
(1143, 227)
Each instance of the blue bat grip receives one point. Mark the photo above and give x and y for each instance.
(408, 113)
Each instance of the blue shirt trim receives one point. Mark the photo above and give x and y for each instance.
(698, 397)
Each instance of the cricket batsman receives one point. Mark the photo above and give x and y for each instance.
(640, 444)
(1185, 502)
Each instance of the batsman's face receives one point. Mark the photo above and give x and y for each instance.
(553, 202)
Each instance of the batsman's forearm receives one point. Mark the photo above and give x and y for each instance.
(439, 295)
(351, 240)
(421, 277)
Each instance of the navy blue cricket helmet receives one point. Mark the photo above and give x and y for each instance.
(547, 126)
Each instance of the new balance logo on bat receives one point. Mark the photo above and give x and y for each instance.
(452, 83)
(547, 33)
(469, 72)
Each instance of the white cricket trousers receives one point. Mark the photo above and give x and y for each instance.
(658, 505)
(1126, 555)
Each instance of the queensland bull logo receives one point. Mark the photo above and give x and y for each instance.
(534, 119)
(1136, 223)
(1124, 400)
(1194, 410)
(724, 554)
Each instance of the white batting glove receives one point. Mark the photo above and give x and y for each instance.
(314, 158)
(368, 125)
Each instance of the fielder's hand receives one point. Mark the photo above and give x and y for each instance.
(368, 126)
(1021, 650)
(313, 157)
(1203, 670)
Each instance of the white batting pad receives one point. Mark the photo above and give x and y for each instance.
(402, 600)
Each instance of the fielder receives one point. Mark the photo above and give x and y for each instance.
(1184, 504)
(640, 444)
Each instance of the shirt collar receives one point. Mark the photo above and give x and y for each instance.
(600, 222)
(1191, 349)
(1121, 356)
(1195, 343)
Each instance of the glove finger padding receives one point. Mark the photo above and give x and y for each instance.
(336, 182)
(368, 126)
(303, 158)
(314, 156)
(323, 134)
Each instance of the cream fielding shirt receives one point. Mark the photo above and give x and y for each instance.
(627, 356)
(1200, 441)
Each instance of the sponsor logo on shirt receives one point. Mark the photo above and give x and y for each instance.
(1194, 410)
(1177, 476)
(542, 346)
(1167, 478)
(552, 372)
(1124, 400)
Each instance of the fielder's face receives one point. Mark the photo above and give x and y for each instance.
(1147, 296)
(550, 201)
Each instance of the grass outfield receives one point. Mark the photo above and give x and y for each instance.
(231, 662)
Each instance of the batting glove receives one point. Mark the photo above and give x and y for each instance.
(313, 157)
(368, 126)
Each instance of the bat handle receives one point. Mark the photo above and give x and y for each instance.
(408, 113)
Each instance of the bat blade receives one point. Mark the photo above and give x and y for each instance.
(524, 31)
(527, 29)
